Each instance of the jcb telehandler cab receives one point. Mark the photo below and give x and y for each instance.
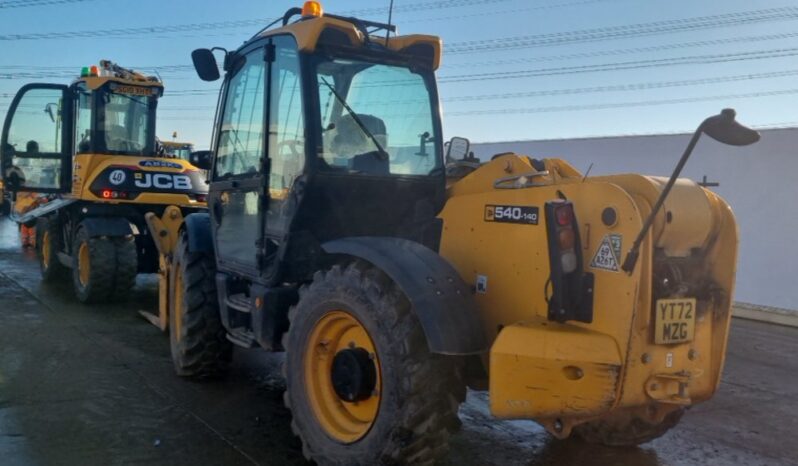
(93, 144)
(331, 236)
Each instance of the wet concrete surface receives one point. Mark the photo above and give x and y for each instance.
(94, 386)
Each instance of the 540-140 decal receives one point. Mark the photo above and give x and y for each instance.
(527, 215)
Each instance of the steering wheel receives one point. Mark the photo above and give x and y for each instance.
(292, 146)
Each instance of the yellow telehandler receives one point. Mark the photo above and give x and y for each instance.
(92, 145)
(595, 306)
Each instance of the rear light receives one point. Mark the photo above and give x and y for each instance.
(113, 194)
(566, 238)
(564, 214)
(571, 291)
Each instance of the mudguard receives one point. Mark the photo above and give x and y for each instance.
(440, 298)
(106, 226)
(198, 229)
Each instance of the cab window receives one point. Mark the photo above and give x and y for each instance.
(240, 146)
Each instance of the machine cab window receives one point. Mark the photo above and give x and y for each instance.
(240, 148)
(376, 118)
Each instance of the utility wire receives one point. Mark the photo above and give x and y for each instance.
(612, 105)
(31, 3)
(626, 31)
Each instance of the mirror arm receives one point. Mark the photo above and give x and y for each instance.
(631, 257)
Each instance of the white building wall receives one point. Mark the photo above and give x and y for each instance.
(760, 182)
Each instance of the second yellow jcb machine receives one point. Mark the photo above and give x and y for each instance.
(93, 143)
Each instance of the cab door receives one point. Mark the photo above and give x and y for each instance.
(260, 153)
(35, 149)
(236, 195)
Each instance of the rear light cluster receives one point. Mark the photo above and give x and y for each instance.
(111, 194)
(198, 197)
(571, 293)
(566, 236)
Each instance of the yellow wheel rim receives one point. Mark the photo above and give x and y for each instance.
(46, 249)
(84, 267)
(344, 421)
(177, 304)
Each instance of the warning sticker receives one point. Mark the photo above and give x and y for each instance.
(608, 253)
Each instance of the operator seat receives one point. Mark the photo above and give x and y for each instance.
(351, 141)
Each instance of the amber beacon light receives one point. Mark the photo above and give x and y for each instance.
(312, 10)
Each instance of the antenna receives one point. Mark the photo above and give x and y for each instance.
(388, 31)
(587, 172)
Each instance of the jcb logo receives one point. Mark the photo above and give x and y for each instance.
(163, 181)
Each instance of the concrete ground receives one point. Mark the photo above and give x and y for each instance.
(94, 386)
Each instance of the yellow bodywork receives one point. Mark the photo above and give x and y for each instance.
(165, 231)
(86, 167)
(309, 33)
(565, 374)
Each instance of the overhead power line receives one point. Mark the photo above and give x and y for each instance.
(212, 26)
(612, 105)
(626, 51)
(626, 31)
(619, 66)
(31, 3)
(624, 87)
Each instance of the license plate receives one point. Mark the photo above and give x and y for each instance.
(674, 320)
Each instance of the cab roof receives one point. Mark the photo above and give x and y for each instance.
(108, 71)
(313, 31)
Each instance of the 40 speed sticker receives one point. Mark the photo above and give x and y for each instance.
(527, 215)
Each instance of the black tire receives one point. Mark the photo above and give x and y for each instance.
(200, 349)
(127, 265)
(626, 430)
(419, 390)
(49, 231)
(99, 281)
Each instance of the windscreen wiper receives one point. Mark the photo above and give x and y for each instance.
(365, 130)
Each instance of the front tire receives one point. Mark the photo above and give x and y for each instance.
(198, 340)
(93, 267)
(127, 265)
(362, 385)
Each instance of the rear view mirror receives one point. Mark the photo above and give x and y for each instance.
(205, 64)
(725, 129)
(458, 148)
(200, 159)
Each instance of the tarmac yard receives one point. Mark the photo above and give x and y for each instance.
(95, 386)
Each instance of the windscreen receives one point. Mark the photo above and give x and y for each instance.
(126, 120)
(376, 119)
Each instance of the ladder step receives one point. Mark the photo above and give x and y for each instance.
(239, 302)
(242, 337)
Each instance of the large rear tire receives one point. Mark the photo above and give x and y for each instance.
(626, 430)
(200, 349)
(93, 267)
(362, 385)
(49, 242)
